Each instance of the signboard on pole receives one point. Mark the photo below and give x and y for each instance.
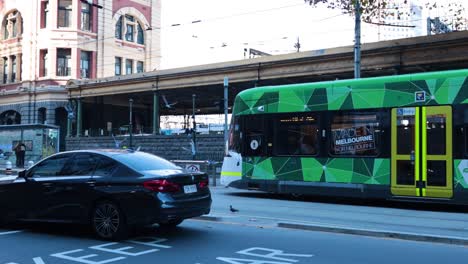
(192, 167)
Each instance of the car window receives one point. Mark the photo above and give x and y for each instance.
(82, 164)
(49, 167)
(105, 166)
(141, 161)
(124, 171)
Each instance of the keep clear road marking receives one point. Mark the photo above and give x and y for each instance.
(10, 232)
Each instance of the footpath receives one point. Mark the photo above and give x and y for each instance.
(408, 221)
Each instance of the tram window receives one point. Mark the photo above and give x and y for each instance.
(234, 134)
(355, 134)
(253, 133)
(435, 127)
(296, 135)
(405, 134)
(465, 131)
(465, 128)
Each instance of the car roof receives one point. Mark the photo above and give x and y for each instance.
(106, 152)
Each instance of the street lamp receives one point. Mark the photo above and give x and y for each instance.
(194, 147)
(225, 101)
(357, 40)
(130, 127)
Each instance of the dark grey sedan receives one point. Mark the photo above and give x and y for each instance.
(112, 190)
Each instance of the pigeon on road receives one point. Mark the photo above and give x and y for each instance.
(232, 209)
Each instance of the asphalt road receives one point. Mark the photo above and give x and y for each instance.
(252, 235)
(206, 242)
(263, 209)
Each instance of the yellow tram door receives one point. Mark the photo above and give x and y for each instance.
(422, 152)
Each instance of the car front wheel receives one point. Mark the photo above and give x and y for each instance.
(108, 221)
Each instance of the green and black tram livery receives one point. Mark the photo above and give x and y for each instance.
(395, 137)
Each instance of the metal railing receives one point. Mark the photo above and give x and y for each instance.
(138, 131)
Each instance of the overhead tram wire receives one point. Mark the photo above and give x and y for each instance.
(151, 27)
(230, 44)
(239, 44)
(194, 21)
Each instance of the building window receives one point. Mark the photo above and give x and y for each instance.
(85, 64)
(86, 16)
(12, 25)
(130, 26)
(43, 63)
(118, 66)
(42, 115)
(13, 68)
(139, 67)
(44, 13)
(118, 28)
(128, 66)
(127, 26)
(5, 69)
(5, 31)
(140, 36)
(63, 62)
(64, 13)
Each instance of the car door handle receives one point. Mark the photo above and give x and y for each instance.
(47, 184)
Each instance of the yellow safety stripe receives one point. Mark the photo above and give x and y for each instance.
(416, 151)
(424, 148)
(231, 173)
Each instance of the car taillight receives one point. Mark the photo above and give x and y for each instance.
(161, 186)
(203, 183)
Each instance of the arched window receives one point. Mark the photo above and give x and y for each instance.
(12, 25)
(42, 115)
(118, 28)
(128, 28)
(10, 117)
(5, 69)
(140, 35)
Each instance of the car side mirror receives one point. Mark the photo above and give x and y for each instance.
(22, 174)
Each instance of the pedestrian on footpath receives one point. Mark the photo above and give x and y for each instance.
(20, 152)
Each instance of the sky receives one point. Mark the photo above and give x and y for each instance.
(227, 27)
(206, 31)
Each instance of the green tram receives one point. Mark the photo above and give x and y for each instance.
(397, 137)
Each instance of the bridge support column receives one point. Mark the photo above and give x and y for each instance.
(156, 126)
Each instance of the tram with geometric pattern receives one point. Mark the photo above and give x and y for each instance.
(396, 137)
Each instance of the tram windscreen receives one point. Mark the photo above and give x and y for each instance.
(234, 135)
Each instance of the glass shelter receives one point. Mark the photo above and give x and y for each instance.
(40, 141)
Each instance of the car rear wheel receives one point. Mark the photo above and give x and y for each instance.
(171, 223)
(108, 221)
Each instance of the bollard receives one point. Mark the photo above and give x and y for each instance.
(30, 164)
(210, 169)
(8, 168)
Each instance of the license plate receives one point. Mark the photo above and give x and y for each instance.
(190, 188)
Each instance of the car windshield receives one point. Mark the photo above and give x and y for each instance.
(141, 161)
